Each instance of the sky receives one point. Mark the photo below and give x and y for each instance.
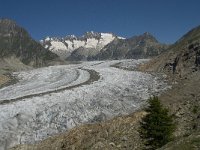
(167, 20)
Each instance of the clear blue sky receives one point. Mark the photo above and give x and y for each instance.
(167, 20)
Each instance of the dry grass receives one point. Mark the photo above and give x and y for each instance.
(118, 133)
(4, 79)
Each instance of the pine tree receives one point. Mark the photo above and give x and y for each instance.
(157, 126)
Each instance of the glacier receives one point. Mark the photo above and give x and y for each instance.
(51, 100)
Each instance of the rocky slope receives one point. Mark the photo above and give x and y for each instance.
(118, 133)
(191, 142)
(142, 46)
(181, 58)
(102, 46)
(181, 62)
(16, 42)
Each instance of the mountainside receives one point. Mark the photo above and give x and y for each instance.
(101, 46)
(181, 62)
(16, 42)
(142, 46)
(87, 45)
(181, 58)
(191, 142)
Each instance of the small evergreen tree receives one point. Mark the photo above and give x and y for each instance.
(157, 127)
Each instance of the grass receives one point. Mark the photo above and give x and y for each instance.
(191, 142)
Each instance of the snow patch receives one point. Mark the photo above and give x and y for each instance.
(64, 48)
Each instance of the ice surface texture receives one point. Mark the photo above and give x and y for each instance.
(114, 92)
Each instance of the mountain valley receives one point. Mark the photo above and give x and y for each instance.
(89, 92)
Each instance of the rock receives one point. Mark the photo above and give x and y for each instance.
(15, 41)
(112, 144)
(124, 138)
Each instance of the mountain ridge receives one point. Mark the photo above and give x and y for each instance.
(141, 46)
(64, 46)
(15, 41)
(76, 48)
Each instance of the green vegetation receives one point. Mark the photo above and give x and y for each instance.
(157, 126)
(191, 142)
(195, 109)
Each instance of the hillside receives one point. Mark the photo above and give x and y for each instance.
(181, 58)
(118, 133)
(181, 62)
(142, 46)
(15, 42)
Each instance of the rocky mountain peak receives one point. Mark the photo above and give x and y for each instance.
(16, 41)
(141, 46)
(147, 34)
(97, 35)
(8, 27)
(90, 43)
(146, 37)
(92, 34)
(7, 22)
(71, 37)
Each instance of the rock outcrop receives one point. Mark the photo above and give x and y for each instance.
(16, 42)
(181, 63)
(118, 133)
(142, 46)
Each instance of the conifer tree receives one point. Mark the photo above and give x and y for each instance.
(157, 127)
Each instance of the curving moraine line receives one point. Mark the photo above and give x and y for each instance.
(94, 76)
(117, 65)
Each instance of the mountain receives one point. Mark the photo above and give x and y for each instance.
(15, 42)
(142, 46)
(181, 58)
(85, 46)
(181, 63)
(101, 46)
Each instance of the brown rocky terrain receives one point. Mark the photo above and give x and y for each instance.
(181, 62)
(118, 133)
(142, 46)
(3, 79)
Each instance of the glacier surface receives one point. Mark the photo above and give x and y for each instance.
(54, 99)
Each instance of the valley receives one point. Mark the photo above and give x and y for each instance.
(50, 100)
(90, 91)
